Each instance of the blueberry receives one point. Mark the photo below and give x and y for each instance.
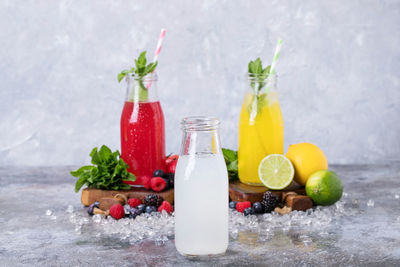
(248, 211)
(133, 213)
(150, 209)
(257, 207)
(232, 205)
(141, 207)
(158, 173)
(91, 207)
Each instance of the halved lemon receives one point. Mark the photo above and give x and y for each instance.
(276, 171)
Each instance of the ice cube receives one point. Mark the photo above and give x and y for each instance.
(70, 209)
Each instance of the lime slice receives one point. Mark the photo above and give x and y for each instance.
(276, 171)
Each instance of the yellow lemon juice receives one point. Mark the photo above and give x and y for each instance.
(259, 137)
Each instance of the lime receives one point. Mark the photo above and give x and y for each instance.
(276, 171)
(324, 187)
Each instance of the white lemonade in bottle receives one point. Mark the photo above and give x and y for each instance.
(201, 191)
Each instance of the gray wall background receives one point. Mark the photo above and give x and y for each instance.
(339, 81)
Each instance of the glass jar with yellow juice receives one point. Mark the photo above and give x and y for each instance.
(260, 125)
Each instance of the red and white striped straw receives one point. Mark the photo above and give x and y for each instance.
(159, 45)
(157, 53)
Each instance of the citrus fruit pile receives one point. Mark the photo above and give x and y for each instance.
(306, 164)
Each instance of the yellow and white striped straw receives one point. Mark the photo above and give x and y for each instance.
(274, 61)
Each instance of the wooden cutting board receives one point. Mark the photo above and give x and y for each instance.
(91, 195)
(243, 192)
(237, 192)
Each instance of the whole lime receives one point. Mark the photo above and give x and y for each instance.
(324, 187)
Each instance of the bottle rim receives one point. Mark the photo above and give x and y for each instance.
(199, 123)
(255, 77)
(151, 77)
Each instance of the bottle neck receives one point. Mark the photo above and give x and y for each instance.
(262, 84)
(141, 89)
(200, 136)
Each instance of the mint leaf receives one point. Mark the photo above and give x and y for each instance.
(81, 170)
(229, 155)
(231, 161)
(233, 166)
(122, 75)
(104, 152)
(81, 181)
(109, 171)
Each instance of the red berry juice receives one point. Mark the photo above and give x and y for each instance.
(143, 137)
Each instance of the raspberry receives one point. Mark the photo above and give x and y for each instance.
(117, 211)
(241, 206)
(158, 184)
(166, 206)
(134, 202)
(146, 181)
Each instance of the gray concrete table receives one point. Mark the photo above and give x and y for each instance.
(364, 229)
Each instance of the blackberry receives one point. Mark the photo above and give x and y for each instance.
(170, 177)
(153, 200)
(258, 208)
(167, 183)
(269, 202)
(232, 205)
(248, 211)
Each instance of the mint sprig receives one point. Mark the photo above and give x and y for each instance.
(108, 172)
(258, 79)
(138, 72)
(258, 75)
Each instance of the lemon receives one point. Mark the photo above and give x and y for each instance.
(324, 187)
(276, 171)
(307, 159)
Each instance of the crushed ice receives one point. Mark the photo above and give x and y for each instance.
(159, 227)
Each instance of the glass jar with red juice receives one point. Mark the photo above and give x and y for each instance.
(142, 127)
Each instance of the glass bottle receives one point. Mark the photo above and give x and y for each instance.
(142, 127)
(201, 190)
(260, 127)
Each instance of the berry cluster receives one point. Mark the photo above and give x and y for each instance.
(151, 203)
(160, 180)
(268, 204)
